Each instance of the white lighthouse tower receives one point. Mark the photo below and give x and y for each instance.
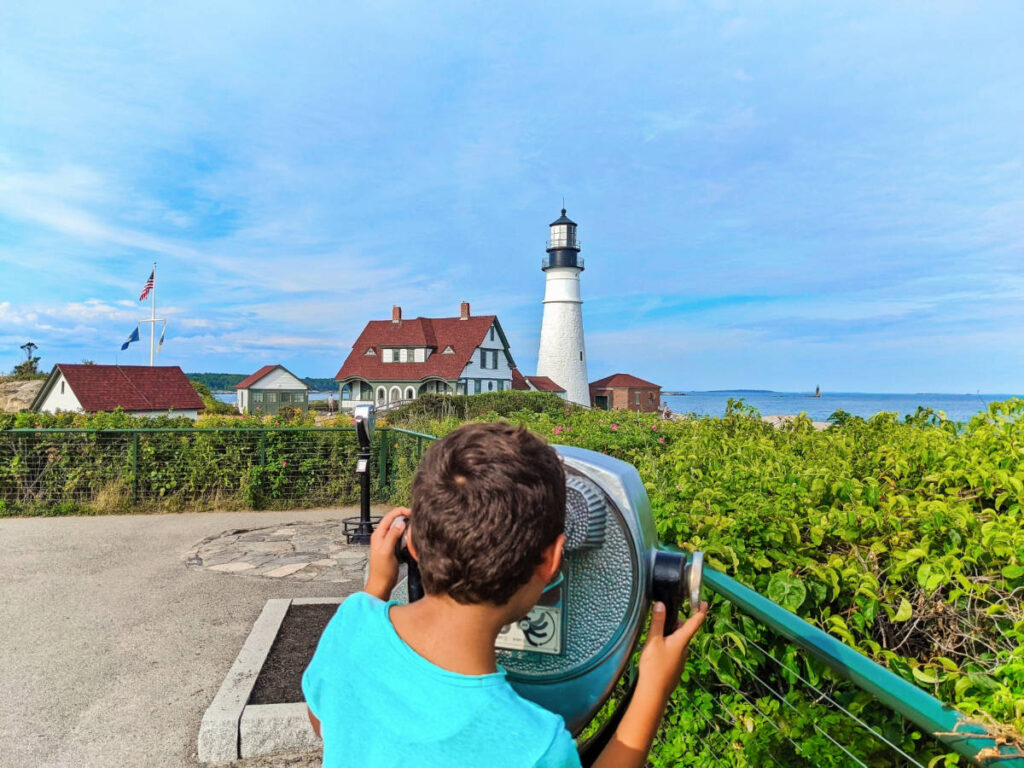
(563, 357)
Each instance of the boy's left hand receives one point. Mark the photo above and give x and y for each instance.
(383, 574)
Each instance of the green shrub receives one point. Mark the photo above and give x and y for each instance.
(903, 539)
(469, 407)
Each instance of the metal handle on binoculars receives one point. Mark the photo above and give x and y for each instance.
(669, 585)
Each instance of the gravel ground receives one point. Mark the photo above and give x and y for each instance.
(112, 648)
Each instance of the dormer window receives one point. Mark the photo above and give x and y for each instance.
(448, 350)
(370, 351)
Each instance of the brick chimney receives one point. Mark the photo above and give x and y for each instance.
(464, 311)
(396, 314)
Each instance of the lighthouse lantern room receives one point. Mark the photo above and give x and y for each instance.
(562, 357)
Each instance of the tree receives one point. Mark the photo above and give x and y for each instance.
(28, 369)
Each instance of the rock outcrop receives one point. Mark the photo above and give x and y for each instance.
(16, 395)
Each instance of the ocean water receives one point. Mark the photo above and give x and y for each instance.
(956, 407)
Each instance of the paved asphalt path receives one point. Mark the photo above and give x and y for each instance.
(111, 648)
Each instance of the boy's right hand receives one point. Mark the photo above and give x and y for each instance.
(663, 657)
(383, 571)
(661, 665)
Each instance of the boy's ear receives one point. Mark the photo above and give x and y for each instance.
(550, 560)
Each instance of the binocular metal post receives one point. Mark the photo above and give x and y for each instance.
(359, 529)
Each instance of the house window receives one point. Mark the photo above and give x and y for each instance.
(380, 395)
(494, 359)
(638, 398)
(581, 354)
(476, 386)
(257, 397)
(62, 387)
(492, 333)
(483, 358)
(650, 398)
(346, 392)
(370, 351)
(409, 394)
(490, 386)
(448, 350)
(403, 355)
(271, 397)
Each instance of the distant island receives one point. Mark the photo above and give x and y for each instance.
(721, 392)
(225, 382)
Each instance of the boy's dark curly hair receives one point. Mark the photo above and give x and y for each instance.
(486, 501)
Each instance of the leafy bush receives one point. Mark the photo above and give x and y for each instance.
(171, 463)
(904, 540)
(489, 405)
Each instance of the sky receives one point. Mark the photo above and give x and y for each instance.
(769, 195)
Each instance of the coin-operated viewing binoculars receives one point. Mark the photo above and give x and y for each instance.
(358, 530)
(572, 648)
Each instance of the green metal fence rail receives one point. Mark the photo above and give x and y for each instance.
(957, 732)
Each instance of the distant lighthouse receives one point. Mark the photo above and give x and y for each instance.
(563, 357)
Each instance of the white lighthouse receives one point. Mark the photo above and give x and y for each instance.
(563, 357)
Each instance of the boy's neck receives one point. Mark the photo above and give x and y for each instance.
(456, 637)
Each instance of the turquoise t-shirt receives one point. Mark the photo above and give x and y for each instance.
(382, 704)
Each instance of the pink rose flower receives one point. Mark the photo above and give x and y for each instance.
(615, 427)
(284, 463)
(654, 427)
(558, 430)
(661, 439)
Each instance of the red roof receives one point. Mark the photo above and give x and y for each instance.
(622, 380)
(437, 333)
(518, 380)
(130, 387)
(544, 384)
(248, 381)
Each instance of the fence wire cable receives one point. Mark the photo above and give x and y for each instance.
(775, 725)
(818, 728)
(720, 760)
(824, 695)
(736, 719)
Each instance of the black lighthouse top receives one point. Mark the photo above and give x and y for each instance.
(563, 247)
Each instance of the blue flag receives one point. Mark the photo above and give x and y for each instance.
(133, 337)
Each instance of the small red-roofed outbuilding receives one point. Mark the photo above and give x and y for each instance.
(626, 392)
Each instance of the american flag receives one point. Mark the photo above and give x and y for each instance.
(148, 286)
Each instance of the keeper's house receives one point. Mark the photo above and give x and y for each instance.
(270, 388)
(397, 360)
(140, 390)
(622, 391)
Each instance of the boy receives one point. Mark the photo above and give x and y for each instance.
(400, 685)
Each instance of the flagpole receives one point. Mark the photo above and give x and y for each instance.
(152, 322)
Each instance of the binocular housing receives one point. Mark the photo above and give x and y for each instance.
(568, 653)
